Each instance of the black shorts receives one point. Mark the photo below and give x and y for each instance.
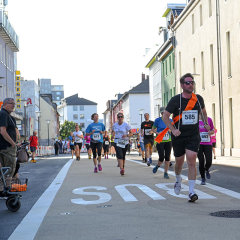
(214, 144)
(180, 144)
(96, 148)
(33, 149)
(148, 141)
(106, 148)
(72, 147)
(121, 152)
(87, 145)
(79, 144)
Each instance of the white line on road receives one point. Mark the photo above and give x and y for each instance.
(29, 226)
(208, 185)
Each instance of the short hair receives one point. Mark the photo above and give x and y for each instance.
(7, 100)
(120, 114)
(185, 76)
(146, 114)
(93, 115)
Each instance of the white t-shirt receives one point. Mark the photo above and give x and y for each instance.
(120, 130)
(78, 139)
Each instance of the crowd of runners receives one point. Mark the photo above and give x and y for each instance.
(190, 132)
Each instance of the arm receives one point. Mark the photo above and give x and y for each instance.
(206, 125)
(166, 120)
(5, 135)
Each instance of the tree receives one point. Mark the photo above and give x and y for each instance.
(66, 128)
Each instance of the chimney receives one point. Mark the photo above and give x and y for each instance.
(143, 77)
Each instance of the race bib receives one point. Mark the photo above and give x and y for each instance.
(106, 142)
(190, 117)
(204, 137)
(166, 136)
(147, 132)
(121, 143)
(96, 136)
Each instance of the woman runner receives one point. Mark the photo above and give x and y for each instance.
(121, 131)
(96, 130)
(106, 142)
(78, 139)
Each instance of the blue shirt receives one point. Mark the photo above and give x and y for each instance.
(160, 125)
(97, 127)
(71, 138)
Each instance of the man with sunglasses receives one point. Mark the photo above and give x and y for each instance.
(185, 131)
(8, 136)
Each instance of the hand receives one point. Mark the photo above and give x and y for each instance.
(176, 132)
(207, 127)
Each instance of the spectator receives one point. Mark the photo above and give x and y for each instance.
(33, 145)
(56, 147)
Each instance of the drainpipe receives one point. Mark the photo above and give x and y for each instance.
(220, 87)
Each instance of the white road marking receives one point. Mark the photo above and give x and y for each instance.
(29, 226)
(208, 185)
(103, 197)
(128, 197)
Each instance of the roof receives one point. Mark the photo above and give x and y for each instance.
(175, 8)
(143, 87)
(75, 100)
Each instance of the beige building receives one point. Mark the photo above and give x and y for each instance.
(207, 45)
(49, 123)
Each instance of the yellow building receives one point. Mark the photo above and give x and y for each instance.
(207, 44)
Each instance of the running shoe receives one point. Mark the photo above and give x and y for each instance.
(193, 197)
(155, 169)
(208, 176)
(99, 167)
(170, 164)
(203, 182)
(89, 156)
(177, 188)
(166, 175)
(150, 159)
(214, 157)
(122, 172)
(95, 170)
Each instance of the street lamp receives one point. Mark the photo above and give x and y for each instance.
(38, 114)
(48, 122)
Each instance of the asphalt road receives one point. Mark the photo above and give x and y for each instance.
(40, 175)
(117, 219)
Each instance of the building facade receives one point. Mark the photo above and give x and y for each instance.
(78, 110)
(57, 93)
(211, 52)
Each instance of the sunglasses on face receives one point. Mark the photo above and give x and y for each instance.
(120, 116)
(189, 82)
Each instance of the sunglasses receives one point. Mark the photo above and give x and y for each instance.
(189, 82)
(120, 116)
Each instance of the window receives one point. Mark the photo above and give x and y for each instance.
(229, 67)
(81, 107)
(82, 125)
(202, 70)
(166, 67)
(81, 116)
(193, 24)
(211, 64)
(200, 12)
(210, 7)
(173, 61)
(214, 114)
(163, 69)
(194, 65)
(75, 108)
(180, 64)
(75, 116)
(170, 63)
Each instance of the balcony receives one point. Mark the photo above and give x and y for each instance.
(8, 33)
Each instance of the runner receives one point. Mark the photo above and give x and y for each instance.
(185, 107)
(71, 143)
(112, 146)
(146, 131)
(205, 149)
(213, 140)
(106, 142)
(164, 148)
(121, 131)
(96, 130)
(87, 144)
(142, 149)
(78, 139)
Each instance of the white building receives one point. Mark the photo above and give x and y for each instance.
(78, 110)
(133, 104)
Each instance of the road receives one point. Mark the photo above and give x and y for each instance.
(79, 204)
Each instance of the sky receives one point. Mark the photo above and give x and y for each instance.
(94, 48)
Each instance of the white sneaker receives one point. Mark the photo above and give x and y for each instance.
(177, 188)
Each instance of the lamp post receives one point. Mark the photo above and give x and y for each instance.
(38, 114)
(141, 113)
(48, 122)
(25, 121)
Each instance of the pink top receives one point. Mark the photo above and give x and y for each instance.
(87, 138)
(205, 138)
